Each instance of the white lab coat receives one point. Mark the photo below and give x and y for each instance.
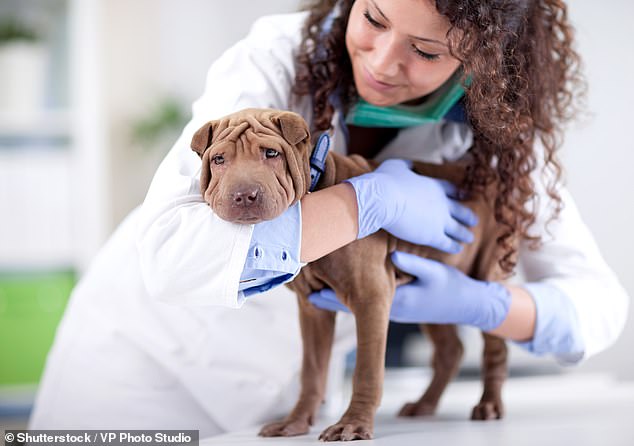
(151, 337)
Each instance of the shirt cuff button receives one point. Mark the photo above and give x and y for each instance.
(284, 255)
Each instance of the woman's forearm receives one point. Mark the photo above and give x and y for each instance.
(519, 324)
(329, 221)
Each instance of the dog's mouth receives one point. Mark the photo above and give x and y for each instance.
(241, 216)
(247, 204)
(249, 220)
(251, 214)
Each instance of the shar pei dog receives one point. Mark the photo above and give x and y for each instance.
(255, 164)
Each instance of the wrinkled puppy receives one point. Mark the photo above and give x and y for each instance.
(255, 165)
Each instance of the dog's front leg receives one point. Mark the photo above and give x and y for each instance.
(372, 317)
(317, 327)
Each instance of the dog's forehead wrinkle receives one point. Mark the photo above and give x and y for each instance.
(229, 132)
(271, 141)
(263, 124)
(244, 147)
(255, 123)
(248, 134)
(247, 146)
(221, 131)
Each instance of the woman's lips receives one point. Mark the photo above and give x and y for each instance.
(374, 83)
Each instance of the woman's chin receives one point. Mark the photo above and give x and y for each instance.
(378, 100)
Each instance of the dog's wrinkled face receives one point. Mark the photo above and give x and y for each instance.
(255, 163)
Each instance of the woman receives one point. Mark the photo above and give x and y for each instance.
(125, 358)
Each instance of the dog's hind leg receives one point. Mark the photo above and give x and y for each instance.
(317, 328)
(448, 352)
(494, 372)
(495, 353)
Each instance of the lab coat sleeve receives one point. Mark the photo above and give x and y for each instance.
(188, 255)
(274, 253)
(581, 306)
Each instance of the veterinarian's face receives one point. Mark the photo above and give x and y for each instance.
(398, 50)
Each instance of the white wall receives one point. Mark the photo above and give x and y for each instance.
(599, 152)
(167, 45)
(158, 47)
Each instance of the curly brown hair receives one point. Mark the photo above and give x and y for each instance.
(525, 81)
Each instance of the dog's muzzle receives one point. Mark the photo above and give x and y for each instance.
(246, 197)
(245, 204)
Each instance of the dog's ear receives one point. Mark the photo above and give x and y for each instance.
(202, 138)
(293, 126)
(294, 130)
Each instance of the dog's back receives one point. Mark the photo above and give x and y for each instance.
(479, 259)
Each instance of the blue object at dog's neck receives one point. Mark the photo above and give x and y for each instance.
(318, 160)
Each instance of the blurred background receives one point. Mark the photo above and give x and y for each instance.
(94, 92)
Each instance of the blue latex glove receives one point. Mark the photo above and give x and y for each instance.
(440, 294)
(412, 207)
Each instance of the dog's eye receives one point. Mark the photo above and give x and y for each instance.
(271, 153)
(218, 159)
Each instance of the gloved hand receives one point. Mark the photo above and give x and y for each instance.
(440, 294)
(412, 207)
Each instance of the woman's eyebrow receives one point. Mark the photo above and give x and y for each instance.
(423, 39)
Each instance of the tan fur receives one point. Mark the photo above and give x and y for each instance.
(364, 279)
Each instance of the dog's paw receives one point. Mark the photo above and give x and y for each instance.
(347, 431)
(418, 409)
(488, 410)
(285, 428)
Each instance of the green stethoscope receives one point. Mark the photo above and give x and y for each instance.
(435, 107)
(363, 114)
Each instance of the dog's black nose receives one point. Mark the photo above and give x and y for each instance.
(246, 196)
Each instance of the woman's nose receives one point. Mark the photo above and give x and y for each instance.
(385, 58)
